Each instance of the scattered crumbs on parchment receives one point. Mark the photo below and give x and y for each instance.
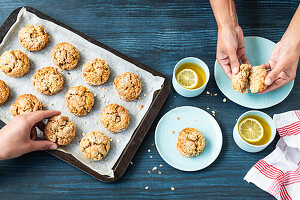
(44, 105)
(172, 132)
(224, 100)
(69, 78)
(160, 165)
(145, 94)
(102, 95)
(110, 139)
(207, 92)
(99, 88)
(105, 159)
(118, 140)
(159, 172)
(107, 100)
(83, 122)
(103, 100)
(178, 118)
(172, 188)
(216, 94)
(83, 134)
(142, 106)
(154, 168)
(95, 94)
(139, 98)
(149, 150)
(96, 122)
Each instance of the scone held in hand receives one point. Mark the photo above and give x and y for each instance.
(257, 79)
(240, 82)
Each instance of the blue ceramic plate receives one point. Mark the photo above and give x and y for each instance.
(191, 117)
(258, 51)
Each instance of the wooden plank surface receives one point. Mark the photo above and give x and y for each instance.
(158, 34)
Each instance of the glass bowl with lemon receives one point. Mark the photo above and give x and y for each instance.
(190, 77)
(254, 131)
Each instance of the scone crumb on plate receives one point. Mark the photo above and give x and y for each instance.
(178, 118)
(172, 132)
(172, 188)
(44, 105)
(224, 100)
(146, 188)
(154, 168)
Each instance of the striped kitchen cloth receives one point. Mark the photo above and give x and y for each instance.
(279, 172)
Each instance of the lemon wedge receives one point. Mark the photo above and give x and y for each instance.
(251, 130)
(187, 78)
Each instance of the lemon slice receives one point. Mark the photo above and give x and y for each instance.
(251, 130)
(187, 78)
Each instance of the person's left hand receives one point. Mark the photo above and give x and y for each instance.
(19, 135)
(283, 65)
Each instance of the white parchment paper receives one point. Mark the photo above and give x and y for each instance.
(91, 121)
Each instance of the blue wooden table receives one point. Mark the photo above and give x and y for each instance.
(158, 34)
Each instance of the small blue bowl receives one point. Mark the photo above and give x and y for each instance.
(190, 92)
(250, 147)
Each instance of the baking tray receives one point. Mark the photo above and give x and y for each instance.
(140, 132)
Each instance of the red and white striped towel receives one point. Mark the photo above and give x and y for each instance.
(279, 172)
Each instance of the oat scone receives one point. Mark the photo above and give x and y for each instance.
(257, 79)
(14, 63)
(4, 92)
(48, 81)
(65, 56)
(79, 100)
(59, 130)
(33, 37)
(240, 82)
(190, 142)
(94, 146)
(25, 103)
(115, 118)
(95, 72)
(128, 86)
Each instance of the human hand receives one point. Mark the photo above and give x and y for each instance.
(283, 65)
(231, 49)
(19, 135)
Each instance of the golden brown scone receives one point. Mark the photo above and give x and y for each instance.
(59, 130)
(79, 100)
(95, 72)
(115, 118)
(257, 79)
(48, 81)
(190, 142)
(94, 146)
(14, 63)
(240, 82)
(25, 103)
(4, 92)
(33, 38)
(128, 86)
(65, 56)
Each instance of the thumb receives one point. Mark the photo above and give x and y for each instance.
(234, 62)
(272, 75)
(43, 145)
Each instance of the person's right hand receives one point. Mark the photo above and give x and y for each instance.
(231, 49)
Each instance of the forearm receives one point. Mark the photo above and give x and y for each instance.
(225, 13)
(292, 34)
